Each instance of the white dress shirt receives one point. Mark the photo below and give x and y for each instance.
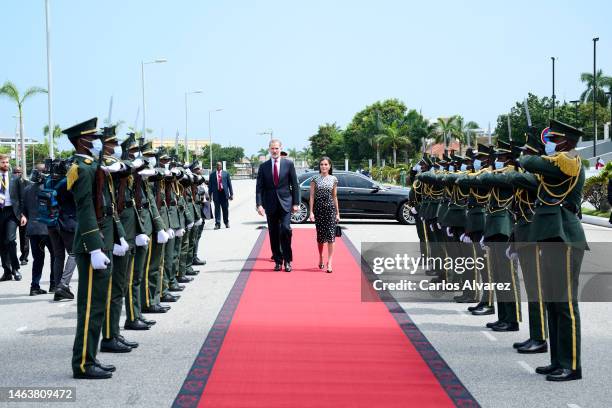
(7, 193)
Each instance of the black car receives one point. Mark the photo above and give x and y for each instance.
(359, 197)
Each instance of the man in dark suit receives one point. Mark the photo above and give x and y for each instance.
(278, 195)
(220, 189)
(11, 204)
(24, 245)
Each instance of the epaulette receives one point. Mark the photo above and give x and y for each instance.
(72, 175)
(567, 164)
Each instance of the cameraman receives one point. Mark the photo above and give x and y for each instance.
(61, 234)
(36, 231)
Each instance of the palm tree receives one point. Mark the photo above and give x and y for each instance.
(377, 137)
(394, 137)
(602, 80)
(10, 91)
(463, 129)
(293, 153)
(57, 133)
(445, 129)
(262, 152)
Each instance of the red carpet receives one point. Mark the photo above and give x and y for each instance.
(305, 339)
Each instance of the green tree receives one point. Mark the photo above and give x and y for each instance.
(328, 141)
(602, 81)
(293, 153)
(9, 90)
(395, 138)
(462, 130)
(445, 129)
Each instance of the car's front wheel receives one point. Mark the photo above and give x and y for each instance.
(404, 216)
(301, 215)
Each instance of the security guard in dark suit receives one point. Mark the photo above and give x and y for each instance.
(93, 244)
(561, 241)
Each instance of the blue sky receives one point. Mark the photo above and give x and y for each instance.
(291, 66)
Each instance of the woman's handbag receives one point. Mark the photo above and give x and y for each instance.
(338, 231)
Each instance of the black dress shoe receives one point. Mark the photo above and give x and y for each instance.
(165, 307)
(278, 266)
(565, 374)
(184, 279)
(149, 322)
(154, 309)
(113, 346)
(536, 346)
(287, 266)
(17, 276)
(169, 298)
(478, 306)
(227, 225)
(131, 344)
(547, 369)
(52, 289)
(491, 324)
(106, 367)
(23, 262)
(192, 272)
(92, 372)
(431, 272)
(34, 292)
(62, 293)
(522, 343)
(505, 327)
(176, 288)
(197, 261)
(483, 311)
(217, 226)
(135, 325)
(6, 277)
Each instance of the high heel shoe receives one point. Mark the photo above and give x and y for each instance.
(321, 266)
(329, 270)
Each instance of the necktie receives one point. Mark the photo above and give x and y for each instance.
(275, 173)
(3, 189)
(219, 182)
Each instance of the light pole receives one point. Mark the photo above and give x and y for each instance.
(144, 109)
(594, 95)
(267, 132)
(49, 106)
(210, 147)
(553, 86)
(576, 102)
(186, 145)
(610, 102)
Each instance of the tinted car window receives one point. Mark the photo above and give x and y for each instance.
(359, 182)
(341, 180)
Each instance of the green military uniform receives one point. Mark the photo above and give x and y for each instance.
(560, 237)
(190, 219)
(174, 222)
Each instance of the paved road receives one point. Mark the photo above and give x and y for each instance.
(37, 335)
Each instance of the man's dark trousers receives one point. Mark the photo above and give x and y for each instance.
(279, 228)
(221, 203)
(8, 243)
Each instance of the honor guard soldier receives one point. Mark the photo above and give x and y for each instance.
(93, 246)
(561, 241)
(525, 188)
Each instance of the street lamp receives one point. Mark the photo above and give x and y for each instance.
(610, 128)
(267, 132)
(144, 109)
(594, 95)
(186, 145)
(210, 136)
(49, 107)
(553, 86)
(576, 102)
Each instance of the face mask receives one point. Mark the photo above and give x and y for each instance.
(417, 168)
(167, 166)
(499, 165)
(463, 167)
(451, 168)
(477, 164)
(117, 152)
(152, 162)
(550, 148)
(96, 147)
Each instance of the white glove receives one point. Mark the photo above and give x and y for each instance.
(98, 259)
(118, 250)
(431, 227)
(413, 210)
(465, 238)
(511, 255)
(142, 240)
(179, 232)
(162, 237)
(170, 233)
(124, 244)
(113, 168)
(175, 171)
(190, 225)
(167, 172)
(188, 172)
(137, 163)
(146, 173)
(439, 226)
(482, 244)
(198, 222)
(449, 232)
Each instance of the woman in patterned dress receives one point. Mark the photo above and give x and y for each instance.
(324, 209)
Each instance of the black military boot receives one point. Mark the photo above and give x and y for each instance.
(113, 346)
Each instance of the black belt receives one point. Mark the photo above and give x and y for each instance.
(129, 204)
(144, 205)
(172, 202)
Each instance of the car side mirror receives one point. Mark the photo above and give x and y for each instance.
(375, 188)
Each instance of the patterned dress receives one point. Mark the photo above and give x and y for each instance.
(324, 208)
